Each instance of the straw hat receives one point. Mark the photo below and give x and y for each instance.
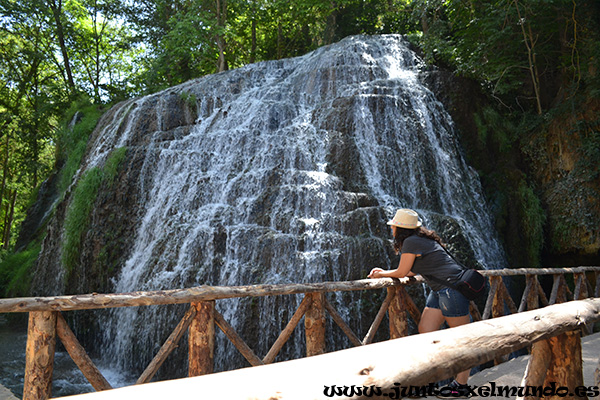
(406, 218)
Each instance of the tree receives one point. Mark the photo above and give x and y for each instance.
(26, 119)
(57, 13)
(519, 48)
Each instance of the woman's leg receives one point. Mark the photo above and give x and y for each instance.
(463, 376)
(431, 320)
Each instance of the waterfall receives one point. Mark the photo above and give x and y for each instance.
(282, 172)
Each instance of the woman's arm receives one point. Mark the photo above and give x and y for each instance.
(403, 270)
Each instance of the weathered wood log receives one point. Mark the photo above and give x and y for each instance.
(378, 318)
(237, 341)
(397, 313)
(556, 287)
(507, 299)
(580, 287)
(533, 296)
(201, 339)
(537, 366)
(413, 310)
(337, 318)
(498, 303)
(566, 367)
(474, 311)
(170, 344)
(537, 271)
(568, 295)
(417, 360)
(189, 295)
(494, 282)
(590, 288)
(39, 355)
(560, 290)
(541, 295)
(498, 309)
(79, 355)
(287, 331)
(206, 293)
(526, 298)
(314, 325)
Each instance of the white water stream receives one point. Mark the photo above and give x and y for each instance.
(259, 189)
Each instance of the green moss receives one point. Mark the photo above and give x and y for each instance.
(77, 219)
(112, 165)
(189, 98)
(533, 220)
(72, 140)
(15, 271)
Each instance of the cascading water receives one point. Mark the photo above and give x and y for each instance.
(282, 172)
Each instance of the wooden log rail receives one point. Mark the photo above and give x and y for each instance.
(417, 360)
(201, 319)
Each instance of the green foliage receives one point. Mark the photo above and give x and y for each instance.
(82, 203)
(186, 39)
(588, 164)
(495, 130)
(15, 271)
(112, 165)
(521, 50)
(72, 139)
(76, 219)
(533, 219)
(189, 99)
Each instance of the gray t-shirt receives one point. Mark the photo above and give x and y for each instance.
(434, 261)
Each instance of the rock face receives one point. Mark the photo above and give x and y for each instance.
(278, 172)
(565, 162)
(559, 160)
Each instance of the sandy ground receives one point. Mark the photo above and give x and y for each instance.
(6, 394)
(507, 374)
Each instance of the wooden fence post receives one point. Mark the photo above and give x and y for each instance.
(39, 355)
(314, 324)
(397, 313)
(537, 367)
(79, 356)
(202, 339)
(566, 368)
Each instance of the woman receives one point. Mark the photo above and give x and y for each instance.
(423, 253)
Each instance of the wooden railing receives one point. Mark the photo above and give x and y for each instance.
(46, 321)
(386, 369)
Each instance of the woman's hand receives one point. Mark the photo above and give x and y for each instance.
(375, 273)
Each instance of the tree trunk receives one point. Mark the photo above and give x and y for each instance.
(56, 12)
(5, 166)
(530, 44)
(331, 28)
(221, 43)
(253, 46)
(10, 214)
(279, 41)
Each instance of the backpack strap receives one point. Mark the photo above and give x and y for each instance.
(443, 282)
